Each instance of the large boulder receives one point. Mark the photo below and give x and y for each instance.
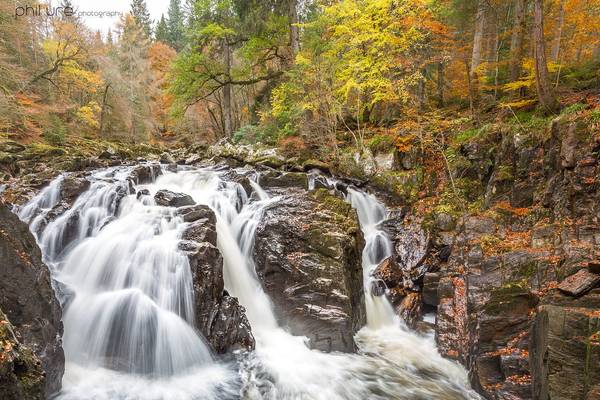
(171, 199)
(28, 300)
(145, 173)
(308, 250)
(220, 317)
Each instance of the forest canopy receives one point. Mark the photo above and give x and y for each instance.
(306, 75)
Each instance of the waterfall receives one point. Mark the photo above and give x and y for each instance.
(128, 298)
(377, 248)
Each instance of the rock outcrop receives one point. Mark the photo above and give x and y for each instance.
(171, 199)
(219, 317)
(32, 326)
(308, 250)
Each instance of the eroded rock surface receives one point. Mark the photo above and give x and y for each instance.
(219, 317)
(308, 255)
(29, 304)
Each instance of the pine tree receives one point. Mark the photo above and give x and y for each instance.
(109, 37)
(161, 32)
(175, 25)
(139, 11)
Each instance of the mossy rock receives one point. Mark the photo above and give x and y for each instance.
(21, 371)
(403, 185)
(315, 164)
(288, 179)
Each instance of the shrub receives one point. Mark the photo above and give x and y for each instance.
(381, 143)
(55, 132)
(292, 146)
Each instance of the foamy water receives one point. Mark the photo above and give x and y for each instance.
(127, 289)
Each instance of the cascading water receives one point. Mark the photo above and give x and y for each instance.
(377, 248)
(128, 321)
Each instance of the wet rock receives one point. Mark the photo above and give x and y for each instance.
(142, 192)
(71, 187)
(194, 213)
(378, 288)
(411, 245)
(28, 300)
(274, 179)
(579, 283)
(430, 288)
(219, 317)
(146, 173)
(410, 308)
(308, 250)
(389, 272)
(21, 373)
(166, 158)
(309, 165)
(167, 198)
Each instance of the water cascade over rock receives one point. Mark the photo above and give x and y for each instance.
(150, 293)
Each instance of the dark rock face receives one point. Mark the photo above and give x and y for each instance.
(219, 317)
(146, 173)
(27, 298)
(272, 179)
(21, 373)
(565, 348)
(517, 286)
(171, 199)
(194, 213)
(308, 252)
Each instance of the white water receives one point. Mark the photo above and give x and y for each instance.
(377, 248)
(129, 328)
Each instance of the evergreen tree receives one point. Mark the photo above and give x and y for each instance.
(175, 25)
(109, 37)
(139, 11)
(161, 32)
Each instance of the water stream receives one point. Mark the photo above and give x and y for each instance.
(127, 295)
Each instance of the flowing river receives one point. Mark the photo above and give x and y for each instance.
(128, 313)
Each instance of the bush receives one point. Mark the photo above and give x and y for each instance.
(292, 146)
(248, 134)
(55, 132)
(381, 143)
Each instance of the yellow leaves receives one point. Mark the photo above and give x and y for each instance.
(89, 115)
(82, 79)
(522, 103)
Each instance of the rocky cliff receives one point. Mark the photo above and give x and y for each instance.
(31, 356)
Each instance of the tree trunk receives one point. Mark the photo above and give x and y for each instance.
(294, 29)
(516, 41)
(476, 55)
(440, 84)
(480, 20)
(421, 90)
(542, 82)
(558, 32)
(103, 109)
(227, 126)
